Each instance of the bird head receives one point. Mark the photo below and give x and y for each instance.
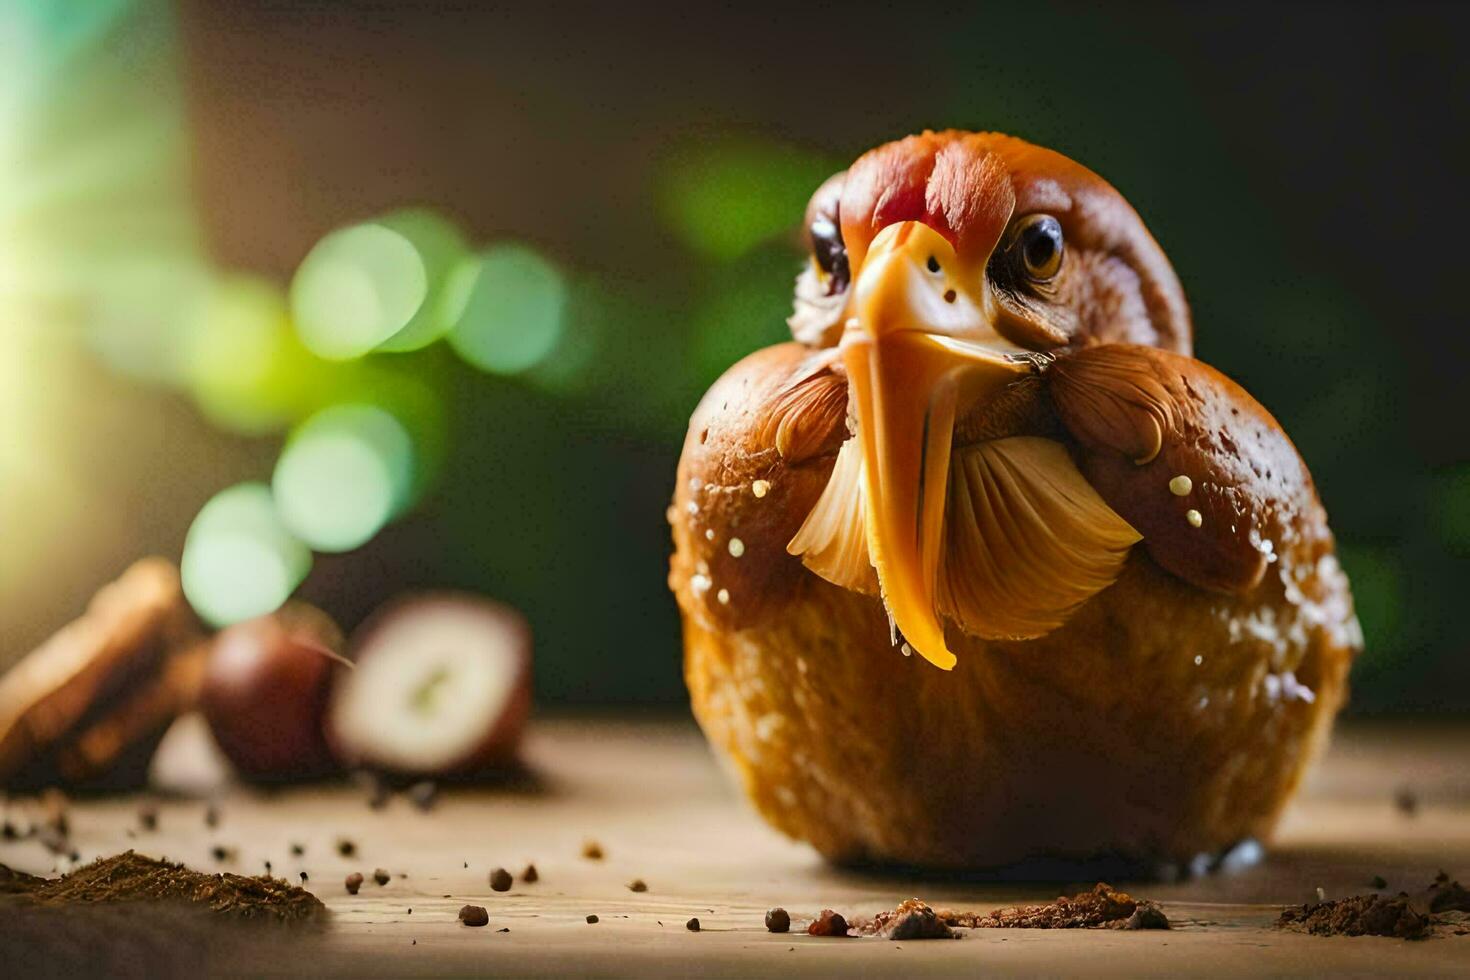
(946, 267)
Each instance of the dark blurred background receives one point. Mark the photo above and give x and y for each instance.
(1302, 165)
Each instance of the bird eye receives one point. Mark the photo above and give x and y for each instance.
(1036, 247)
(831, 254)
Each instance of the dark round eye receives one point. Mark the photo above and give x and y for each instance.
(831, 254)
(1037, 247)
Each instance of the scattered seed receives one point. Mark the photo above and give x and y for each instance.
(723, 596)
(778, 920)
(637, 885)
(377, 789)
(829, 923)
(1407, 801)
(304, 877)
(760, 488)
(529, 876)
(737, 547)
(353, 882)
(1147, 917)
(503, 929)
(472, 915)
(297, 850)
(222, 853)
(148, 818)
(592, 851)
(692, 925)
(709, 534)
(500, 880)
(381, 876)
(1193, 517)
(424, 794)
(1379, 882)
(346, 848)
(592, 920)
(211, 816)
(1181, 485)
(267, 869)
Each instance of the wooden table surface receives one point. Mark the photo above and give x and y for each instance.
(653, 796)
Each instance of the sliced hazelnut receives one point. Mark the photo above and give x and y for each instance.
(442, 687)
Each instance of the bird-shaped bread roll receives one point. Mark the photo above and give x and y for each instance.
(984, 566)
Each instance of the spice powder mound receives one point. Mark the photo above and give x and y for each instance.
(1104, 907)
(131, 877)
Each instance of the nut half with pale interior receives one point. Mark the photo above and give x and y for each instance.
(442, 687)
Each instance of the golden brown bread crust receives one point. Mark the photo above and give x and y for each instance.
(1160, 722)
(1102, 738)
(735, 441)
(1245, 480)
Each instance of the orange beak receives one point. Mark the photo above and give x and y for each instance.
(919, 353)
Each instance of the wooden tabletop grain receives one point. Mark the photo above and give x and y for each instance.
(651, 794)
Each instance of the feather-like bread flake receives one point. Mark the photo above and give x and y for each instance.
(1114, 397)
(833, 541)
(1027, 539)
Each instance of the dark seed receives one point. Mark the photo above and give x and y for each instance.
(424, 794)
(267, 869)
(211, 816)
(1147, 917)
(500, 880)
(1407, 801)
(297, 850)
(503, 929)
(829, 923)
(346, 848)
(353, 882)
(303, 876)
(1379, 882)
(222, 853)
(778, 920)
(474, 915)
(692, 925)
(592, 851)
(530, 876)
(592, 919)
(637, 885)
(381, 876)
(148, 818)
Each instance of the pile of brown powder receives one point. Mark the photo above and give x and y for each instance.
(1104, 907)
(1360, 915)
(131, 877)
(1443, 904)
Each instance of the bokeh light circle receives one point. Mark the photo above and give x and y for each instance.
(357, 288)
(440, 245)
(507, 307)
(239, 560)
(343, 475)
